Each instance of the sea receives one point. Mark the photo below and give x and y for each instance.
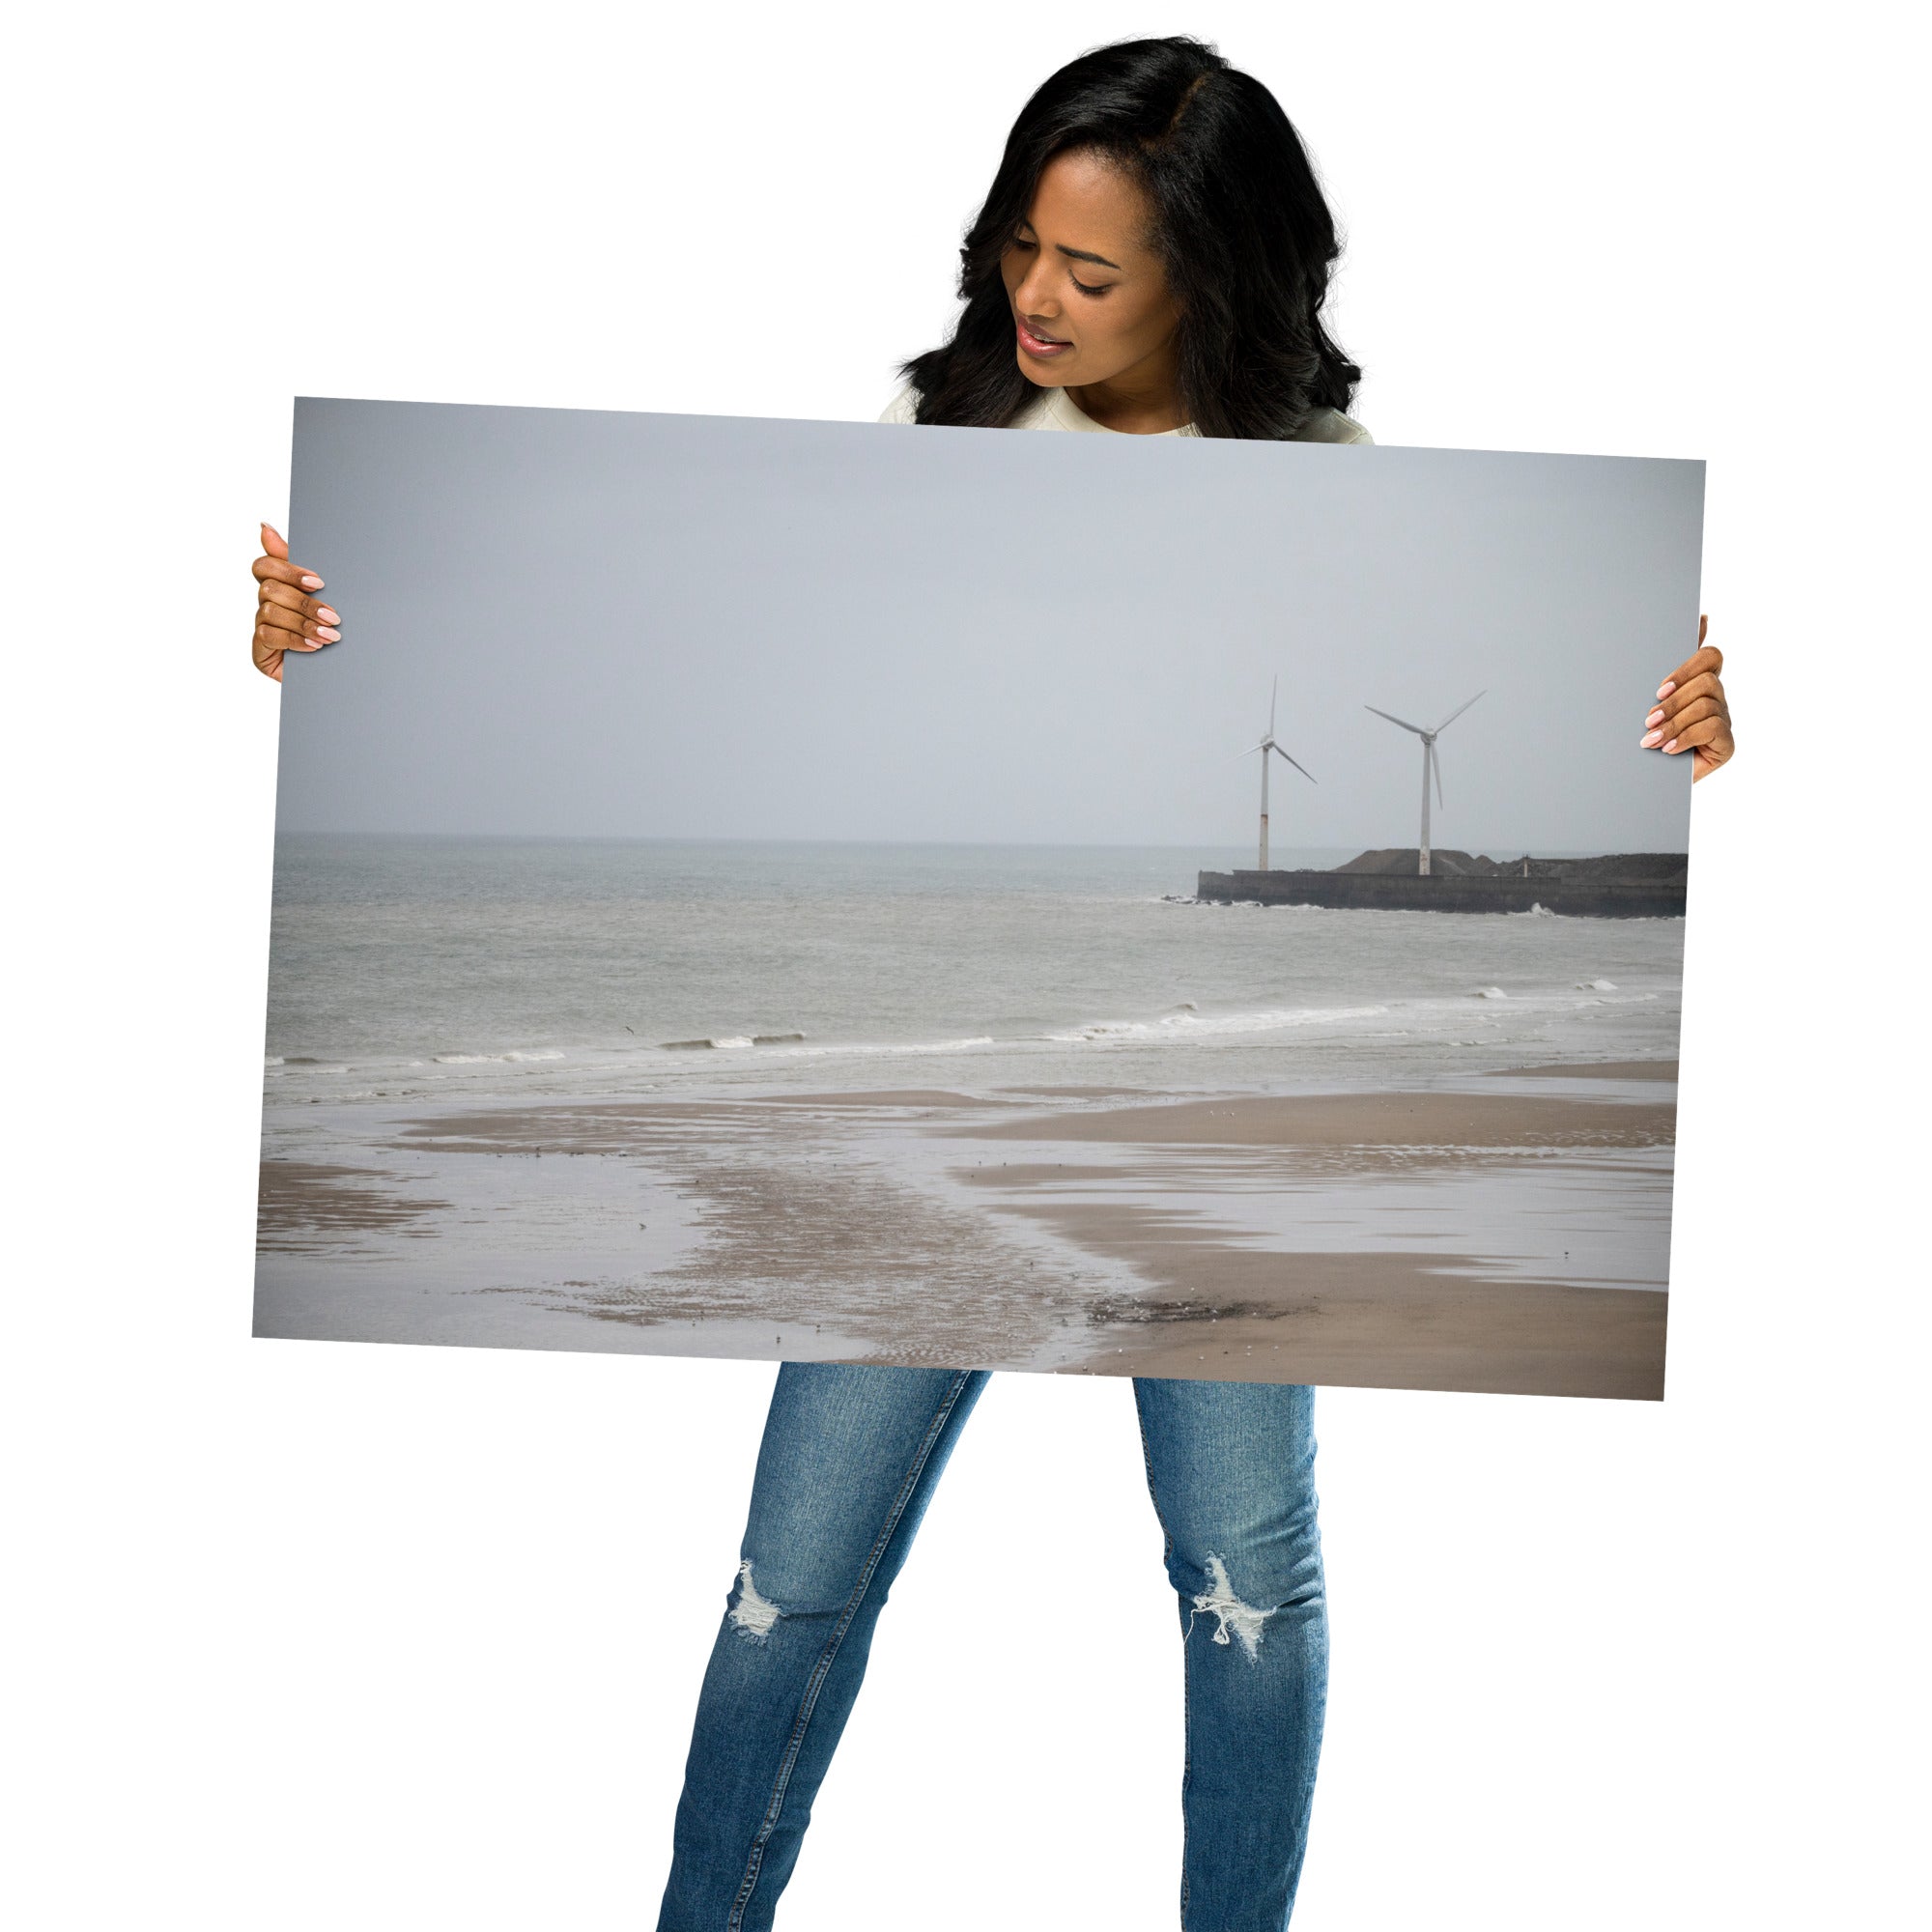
(477, 968)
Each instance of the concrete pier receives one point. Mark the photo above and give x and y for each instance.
(1627, 885)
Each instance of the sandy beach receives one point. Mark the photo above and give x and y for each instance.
(1235, 1312)
(1505, 1234)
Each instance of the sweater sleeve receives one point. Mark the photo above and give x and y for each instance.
(1332, 426)
(902, 409)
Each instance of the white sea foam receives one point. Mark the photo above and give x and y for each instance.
(1490, 993)
(487, 1058)
(1188, 1024)
(1596, 986)
(791, 1047)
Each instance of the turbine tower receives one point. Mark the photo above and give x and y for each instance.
(1268, 745)
(1429, 764)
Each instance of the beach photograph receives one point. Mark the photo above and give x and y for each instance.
(806, 891)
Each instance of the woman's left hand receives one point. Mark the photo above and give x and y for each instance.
(1691, 713)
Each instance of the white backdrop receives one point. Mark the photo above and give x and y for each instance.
(307, 1636)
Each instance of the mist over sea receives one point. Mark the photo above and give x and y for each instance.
(460, 969)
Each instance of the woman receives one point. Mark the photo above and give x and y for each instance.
(1152, 258)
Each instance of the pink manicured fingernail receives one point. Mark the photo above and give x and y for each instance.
(328, 617)
(1673, 746)
(1655, 717)
(327, 636)
(1653, 738)
(311, 581)
(1664, 690)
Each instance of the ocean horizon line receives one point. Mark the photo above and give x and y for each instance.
(690, 840)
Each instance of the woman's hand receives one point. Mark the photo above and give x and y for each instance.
(286, 619)
(1691, 714)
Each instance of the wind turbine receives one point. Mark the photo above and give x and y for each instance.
(1268, 745)
(1429, 764)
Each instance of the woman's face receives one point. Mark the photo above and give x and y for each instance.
(1090, 301)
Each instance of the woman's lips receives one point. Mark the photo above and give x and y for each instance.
(1042, 345)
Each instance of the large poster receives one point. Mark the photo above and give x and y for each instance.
(1099, 904)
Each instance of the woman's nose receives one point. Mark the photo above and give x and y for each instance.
(1034, 296)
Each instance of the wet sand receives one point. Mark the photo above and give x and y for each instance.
(1438, 1120)
(1234, 1312)
(302, 1205)
(1469, 1239)
(1364, 1321)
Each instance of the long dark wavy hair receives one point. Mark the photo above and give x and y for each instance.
(1240, 227)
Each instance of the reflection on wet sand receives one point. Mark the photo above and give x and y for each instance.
(1472, 1238)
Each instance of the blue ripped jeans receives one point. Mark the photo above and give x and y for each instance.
(849, 1462)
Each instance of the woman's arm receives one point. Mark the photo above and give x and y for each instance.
(1691, 713)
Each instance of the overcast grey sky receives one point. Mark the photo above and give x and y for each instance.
(584, 623)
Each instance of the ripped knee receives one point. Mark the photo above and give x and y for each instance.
(1235, 1622)
(751, 1615)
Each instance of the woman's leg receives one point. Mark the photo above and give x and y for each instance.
(848, 1463)
(1232, 1469)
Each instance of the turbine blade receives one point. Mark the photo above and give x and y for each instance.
(1459, 711)
(1248, 753)
(1302, 769)
(1394, 720)
(1275, 691)
(1435, 765)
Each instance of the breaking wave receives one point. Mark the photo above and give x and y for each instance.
(490, 1058)
(726, 1042)
(1186, 1023)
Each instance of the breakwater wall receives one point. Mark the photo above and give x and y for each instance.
(1592, 897)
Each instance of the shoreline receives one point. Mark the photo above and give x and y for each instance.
(1383, 1239)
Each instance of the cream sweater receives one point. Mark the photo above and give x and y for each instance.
(1055, 409)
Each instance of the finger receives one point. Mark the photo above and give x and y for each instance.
(1694, 713)
(1708, 731)
(1708, 659)
(1707, 685)
(293, 628)
(274, 543)
(280, 595)
(272, 570)
(274, 617)
(267, 658)
(272, 637)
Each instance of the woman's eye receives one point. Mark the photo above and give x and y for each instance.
(1095, 289)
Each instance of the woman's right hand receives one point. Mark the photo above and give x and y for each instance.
(286, 619)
